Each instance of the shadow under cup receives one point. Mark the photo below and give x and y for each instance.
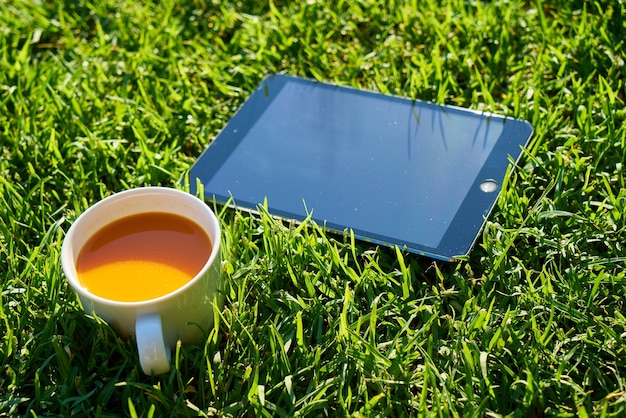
(185, 314)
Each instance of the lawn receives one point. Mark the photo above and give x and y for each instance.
(98, 96)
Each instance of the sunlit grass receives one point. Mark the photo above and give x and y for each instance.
(98, 97)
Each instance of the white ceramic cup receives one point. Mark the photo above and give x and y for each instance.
(185, 314)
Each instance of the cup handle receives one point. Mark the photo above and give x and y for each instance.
(154, 356)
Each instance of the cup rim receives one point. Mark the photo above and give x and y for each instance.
(67, 250)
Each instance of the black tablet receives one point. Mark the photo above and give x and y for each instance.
(396, 171)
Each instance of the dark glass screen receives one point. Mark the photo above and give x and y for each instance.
(396, 171)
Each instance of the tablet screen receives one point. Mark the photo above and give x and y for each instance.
(395, 171)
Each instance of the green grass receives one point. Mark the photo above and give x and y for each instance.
(103, 95)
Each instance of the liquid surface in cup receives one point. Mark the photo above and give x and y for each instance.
(143, 256)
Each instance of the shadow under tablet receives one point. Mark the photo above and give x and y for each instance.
(396, 171)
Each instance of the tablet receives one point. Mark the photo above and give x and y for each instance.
(393, 170)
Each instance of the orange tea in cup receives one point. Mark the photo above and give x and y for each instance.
(143, 256)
